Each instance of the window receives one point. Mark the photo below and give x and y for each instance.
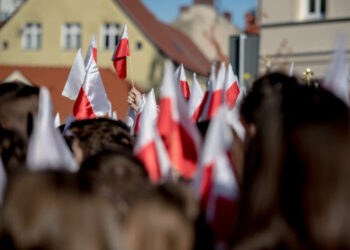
(110, 35)
(316, 8)
(138, 45)
(71, 36)
(31, 36)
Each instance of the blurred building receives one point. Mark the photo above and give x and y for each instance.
(7, 8)
(303, 32)
(49, 33)
(207, 28)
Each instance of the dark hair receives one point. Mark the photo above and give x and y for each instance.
(18, 106)
(12, 150)
(118, 176)
(96, 135)
(163, 219)
(295, 186)
(52, 211)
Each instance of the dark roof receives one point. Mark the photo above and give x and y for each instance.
(173, 43)
(54, 78)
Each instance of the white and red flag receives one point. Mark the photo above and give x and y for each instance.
(92, 100)
(204, 108)
(217, 92)
(76, 77)
(149, 148)
(215, 183)
(120, 53)
(194, 103)
(179, 134)
(231, 88)
(181, 79)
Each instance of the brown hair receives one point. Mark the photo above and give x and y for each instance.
(96, 135)
(53, 211)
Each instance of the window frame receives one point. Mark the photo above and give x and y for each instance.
(32, 31)
(73, 31)
(113, 32)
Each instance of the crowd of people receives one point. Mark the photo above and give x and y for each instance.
(291, 168)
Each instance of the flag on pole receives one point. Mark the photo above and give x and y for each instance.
(92, 100)
(179, 134)
(46, 148)
(215, 182)
(181, 79)
(92, 50)
(216, 96)
(120, 53)
(76, 77)
(203, 110)
(195, 100)
(231, 88)
(336, 79)
(149, 148)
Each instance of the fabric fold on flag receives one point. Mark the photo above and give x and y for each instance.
(47, 148)
(194, 103)
(204, 108)
(231, 88)
(92, 100)
(57, 120)
(137, 123)
(120, 53)
(182, 81)
(179, 134)
(75, 78)
(216, 95)
(215, 182)
(149, 148)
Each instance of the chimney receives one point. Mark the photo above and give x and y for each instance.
(183, 8)
(227, 15)
(210, 2)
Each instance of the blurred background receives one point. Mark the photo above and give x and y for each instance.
(40, 38)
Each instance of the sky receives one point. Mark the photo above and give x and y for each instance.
(168, 10)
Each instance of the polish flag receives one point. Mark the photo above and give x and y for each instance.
(179, 134)
(137, 124)
(215, 182)
(76, 77)
(92, 100)
(120, 53)
(216, 95)
(149, 148)
(91, 50)
(231, 88)
(181, 79)
(195, 100)
(204, 107)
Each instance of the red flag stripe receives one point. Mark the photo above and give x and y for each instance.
(185, 89)
(148, 156)
(82, 107)
(231, 95)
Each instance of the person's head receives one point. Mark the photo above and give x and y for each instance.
(296, 173)
(164, 219)
(12, 151)
(118, 176)
(18, 106)
(53, 211)
(95, 135)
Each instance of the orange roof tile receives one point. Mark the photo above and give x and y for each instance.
(54, 78)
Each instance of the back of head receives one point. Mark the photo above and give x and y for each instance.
(18, 106)
(295, 174)
(95, 135)
(51, 210)
(118, 176)
(164, 219)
